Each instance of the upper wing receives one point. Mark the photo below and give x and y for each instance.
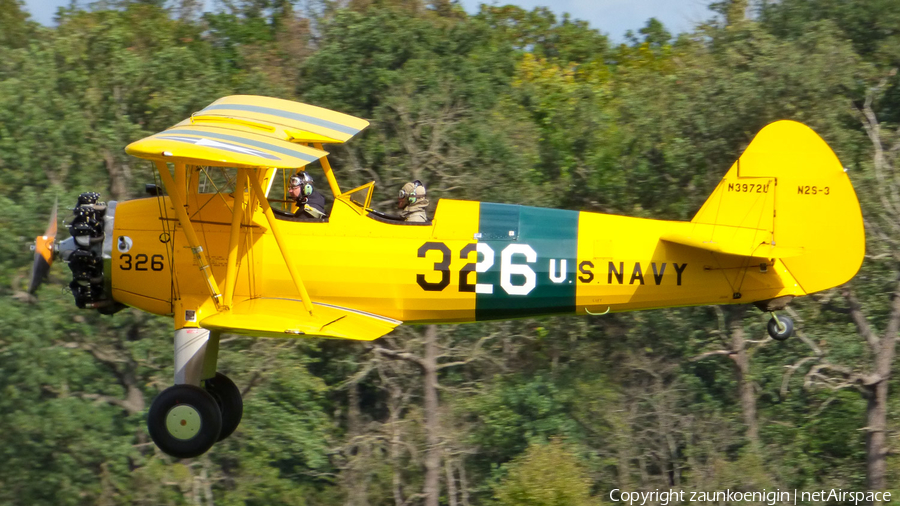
(289, 120)
(270, 317)
(222, 147)
(250, 131)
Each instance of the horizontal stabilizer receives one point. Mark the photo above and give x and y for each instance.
(270, 317)
(727, 240)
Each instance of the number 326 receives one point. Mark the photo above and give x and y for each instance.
(140, 262)
(507, 268)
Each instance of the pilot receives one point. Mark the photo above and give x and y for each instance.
(412, 202)
(310, 202)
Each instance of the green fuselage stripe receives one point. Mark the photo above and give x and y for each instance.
(552, 236)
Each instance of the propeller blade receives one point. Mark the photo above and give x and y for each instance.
(39, 270)
(51, 227)
(43, 253)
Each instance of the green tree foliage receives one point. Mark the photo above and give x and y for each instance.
(430, 87)
(539, 33)
(545, 475)
(15, 28)
(872, 25)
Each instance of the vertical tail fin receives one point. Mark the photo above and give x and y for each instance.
(790, 188)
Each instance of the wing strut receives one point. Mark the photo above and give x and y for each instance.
(329, 174)
(237, 210)
(185, 222)
(273, 224)
(181, 180)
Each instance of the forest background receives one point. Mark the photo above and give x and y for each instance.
(506, 105)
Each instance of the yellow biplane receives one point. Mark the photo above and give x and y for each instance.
(783, 222)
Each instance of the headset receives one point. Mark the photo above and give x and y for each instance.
(412, 195)
(303, 180)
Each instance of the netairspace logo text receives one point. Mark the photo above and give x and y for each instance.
(771, 498)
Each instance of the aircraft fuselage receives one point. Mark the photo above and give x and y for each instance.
(474, 261)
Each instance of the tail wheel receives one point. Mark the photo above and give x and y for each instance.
(780, 327)
(184, 421)
(228, 397)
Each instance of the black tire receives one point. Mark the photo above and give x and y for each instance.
(228, 397)
(788, 328)
(199, 415)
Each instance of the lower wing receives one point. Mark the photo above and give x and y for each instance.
(275, 317)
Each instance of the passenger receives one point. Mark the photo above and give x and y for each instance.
(412, 202)
(310, 202)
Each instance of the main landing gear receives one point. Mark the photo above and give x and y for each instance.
(186, 419)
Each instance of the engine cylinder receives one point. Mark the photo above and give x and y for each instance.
(91, 226)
